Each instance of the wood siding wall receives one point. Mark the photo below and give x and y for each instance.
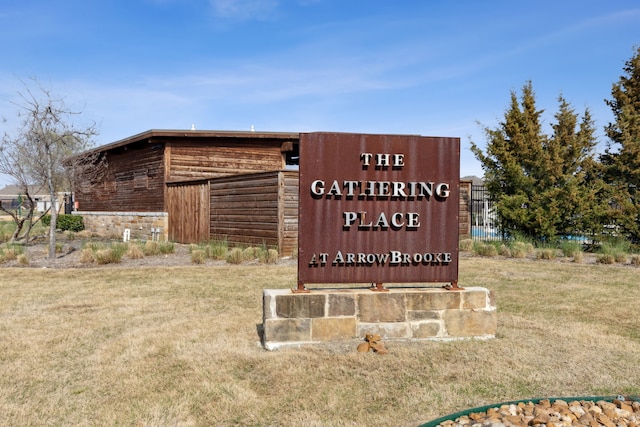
(464, 215)
(244, 209)
(134, 182)
(188, 208)
(197, 161)
(288, 223)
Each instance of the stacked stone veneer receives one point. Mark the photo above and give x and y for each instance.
(140, 224)
(400, 314)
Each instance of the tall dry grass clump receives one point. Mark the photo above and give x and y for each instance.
(166, 247)
(101, 253)
(10, 252)
(578, 257)
(135, 251)
(504, 251)
(546, 254)
(86, 255)
(151, 248)
(614, 251)
(108, 256)
(217, 249)
(6, 230)
(521, 249)
(235, 256)
(485, 249)
(605, 258)
(466, 245)
(250, 253)
(268, 256)
(570, 248)
(198, 256)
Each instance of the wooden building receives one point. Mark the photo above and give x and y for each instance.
(198, 186)
(182, 173)
(139, 168)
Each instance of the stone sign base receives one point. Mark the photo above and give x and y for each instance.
(338, 315)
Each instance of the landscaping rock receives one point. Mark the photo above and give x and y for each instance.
(559, 413)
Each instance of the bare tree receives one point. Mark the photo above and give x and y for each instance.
(45, 152)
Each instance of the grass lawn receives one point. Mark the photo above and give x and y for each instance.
(179, 346)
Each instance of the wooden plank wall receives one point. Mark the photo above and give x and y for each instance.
(134, 182)
(464, 213)
(244, 209)
(198, 161)
(288, 211)
(188, 209)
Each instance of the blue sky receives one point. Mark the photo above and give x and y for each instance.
(430, 67)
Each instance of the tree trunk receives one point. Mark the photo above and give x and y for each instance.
(54, 207)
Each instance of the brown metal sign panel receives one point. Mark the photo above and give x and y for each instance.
(378, 208)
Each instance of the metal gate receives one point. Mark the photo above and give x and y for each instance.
(484, 224)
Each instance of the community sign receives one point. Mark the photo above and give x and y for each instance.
(378, 209)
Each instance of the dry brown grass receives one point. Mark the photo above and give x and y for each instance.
(179, 346)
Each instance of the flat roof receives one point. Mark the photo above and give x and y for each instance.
(195, 134)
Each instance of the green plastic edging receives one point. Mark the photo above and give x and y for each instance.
(455, 415)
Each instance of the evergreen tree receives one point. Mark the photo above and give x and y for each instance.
(543, 186)
(573, 186)
(622, 157)
(511, 165)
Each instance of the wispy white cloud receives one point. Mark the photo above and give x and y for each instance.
(243, 10)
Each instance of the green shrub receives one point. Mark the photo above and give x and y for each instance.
(65, 222)
(23, 259)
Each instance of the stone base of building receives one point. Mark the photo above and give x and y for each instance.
(141, 225)
(324, 316)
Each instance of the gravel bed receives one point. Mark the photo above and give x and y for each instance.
(557, 413)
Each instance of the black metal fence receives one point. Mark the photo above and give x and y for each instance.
(484, 224)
